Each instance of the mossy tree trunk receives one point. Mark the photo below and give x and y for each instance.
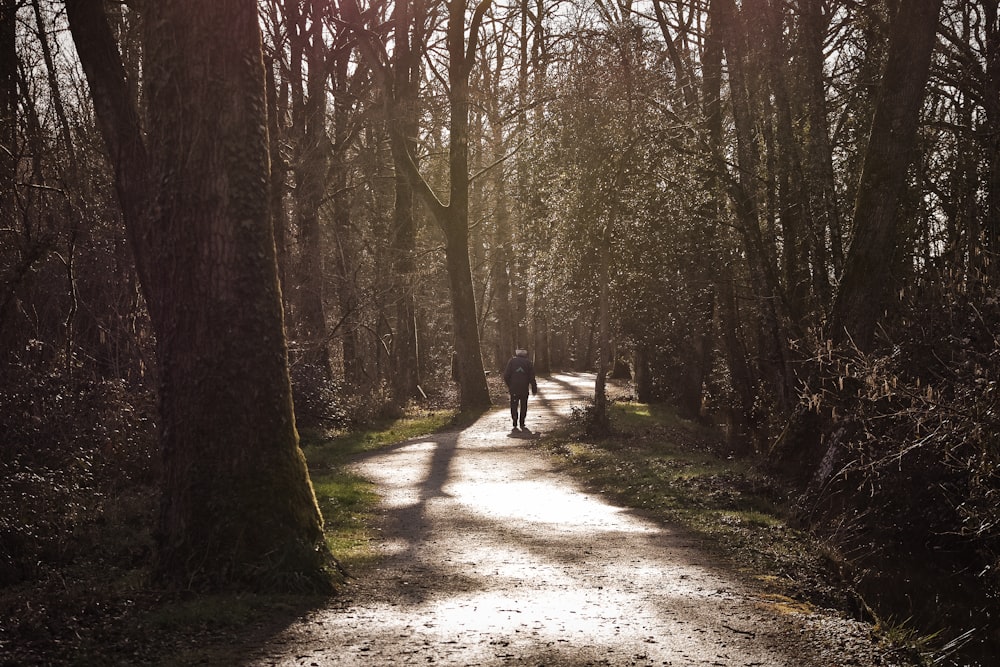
(238, 511)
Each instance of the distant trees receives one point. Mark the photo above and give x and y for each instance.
(8, 109)
(311, 70)
(453, 216)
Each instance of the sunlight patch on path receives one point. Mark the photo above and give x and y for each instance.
(539, 502)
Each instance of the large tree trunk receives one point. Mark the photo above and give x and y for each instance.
(473, 391)
(237, 510)
(867, 278)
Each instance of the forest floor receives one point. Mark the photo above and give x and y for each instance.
(490, 554)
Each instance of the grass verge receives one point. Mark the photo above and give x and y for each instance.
(210, 627)
(89, 600)
(348, 500)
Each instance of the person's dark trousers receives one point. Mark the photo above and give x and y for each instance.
(518, 409)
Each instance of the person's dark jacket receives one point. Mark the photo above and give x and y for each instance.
(519, 376)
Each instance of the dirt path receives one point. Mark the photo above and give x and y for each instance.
(494, 558)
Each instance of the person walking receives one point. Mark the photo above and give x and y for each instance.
(519, 376)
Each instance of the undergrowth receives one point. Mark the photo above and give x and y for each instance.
(78, 503)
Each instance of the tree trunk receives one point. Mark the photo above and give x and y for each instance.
(741, 380)
(408, 18)
(310, 169)
(991, 102)
(867, 279)
(8, 113)
(744, 422)
(453, 217)
(792, 199)
(601, 420)
(405, 351)
(825, 214)
(643, 377)
(277, 185)
(473, 391)
(743, 191)
(501, 268)
(697, 366)
(540, 327)
(405, 343)
(237, 511)
(345, 254)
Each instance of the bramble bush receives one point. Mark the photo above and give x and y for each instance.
(911, 476)
(70, 447)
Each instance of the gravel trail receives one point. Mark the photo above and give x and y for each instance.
(493, 557)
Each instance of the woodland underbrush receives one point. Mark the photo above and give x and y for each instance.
(78, 471)
(72, 450)
(909, 486)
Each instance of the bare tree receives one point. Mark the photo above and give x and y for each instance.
(309, 165)
(453, 217)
